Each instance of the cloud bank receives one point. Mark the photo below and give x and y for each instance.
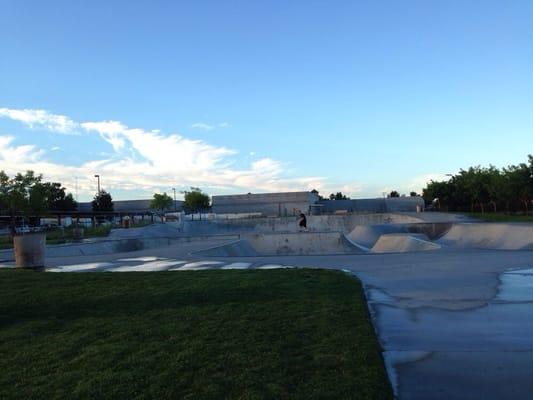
(144, 161)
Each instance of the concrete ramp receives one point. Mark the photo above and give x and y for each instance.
(501, 236)
(368, 235)
(402, 243)
(273, 244)
(301, 243)
(239, 248)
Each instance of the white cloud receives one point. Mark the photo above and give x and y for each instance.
(143, 161)
(203, 126)
(55, 148)
(209, 127)
(17, 154)
(40, 119)
(110, 131)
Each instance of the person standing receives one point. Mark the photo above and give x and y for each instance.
(302, 223)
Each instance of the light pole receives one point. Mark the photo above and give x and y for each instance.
(174, 190)
(98, 177)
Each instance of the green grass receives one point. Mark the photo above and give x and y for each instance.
(298, 334)
(491, 217)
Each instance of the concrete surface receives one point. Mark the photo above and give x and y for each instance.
(506, 236)
(319, 223)
(403, 242)
(454, 323)
(271, 244)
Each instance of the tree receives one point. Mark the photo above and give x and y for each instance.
(413, 194)
(509, 188)
(23, 195)
(196, 200)
(338, 196)
(394, 193)
(57, 198)
(161, 202)
(102, 202)
(314, 191)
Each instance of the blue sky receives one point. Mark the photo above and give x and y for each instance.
(244, 96)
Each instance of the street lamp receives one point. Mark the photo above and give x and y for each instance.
(174, 190)
(98, 177)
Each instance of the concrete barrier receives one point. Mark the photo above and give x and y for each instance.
(287, 243)
(317, 223)
(502, 236)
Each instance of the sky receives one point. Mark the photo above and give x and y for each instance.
(362, 97)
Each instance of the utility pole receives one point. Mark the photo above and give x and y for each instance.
(98, 177)
(174, 190)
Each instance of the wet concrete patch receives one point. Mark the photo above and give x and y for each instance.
(494, 327)
(393, 359)
(516, 286)
(459, 375)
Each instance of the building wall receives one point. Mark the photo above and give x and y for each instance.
(269, 204)
(378, 205)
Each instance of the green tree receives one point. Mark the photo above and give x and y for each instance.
(196, 200)
(338, 196)
(23, 195)
(394, 193)
(102, 202)
(438, 192)
(161, 202)
(510, 188)
(57, 198)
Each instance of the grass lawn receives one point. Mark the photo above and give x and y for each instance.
(490, 217)
(301, 334)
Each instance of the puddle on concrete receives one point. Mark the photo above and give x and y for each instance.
(376, 295)
(394, 358)
(516, 286)
(81, 267)
(523, 271)
(495, 327)
(237, 265)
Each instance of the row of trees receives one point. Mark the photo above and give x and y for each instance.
(194, 201)
(341, 196)
(483, 189)
(29, 195)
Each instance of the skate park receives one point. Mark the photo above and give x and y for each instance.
(449, 297)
